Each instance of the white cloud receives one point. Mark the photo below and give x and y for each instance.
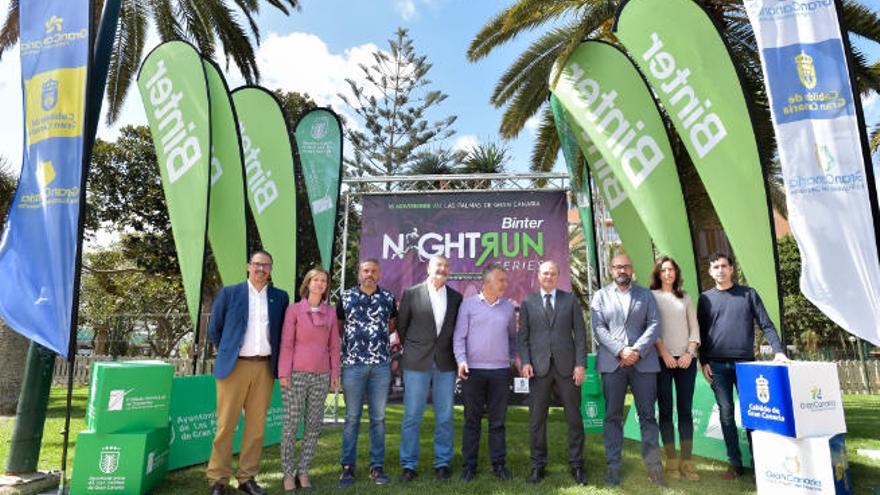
(11, 123)
(533, 123)
(406, 9)
(465, 142)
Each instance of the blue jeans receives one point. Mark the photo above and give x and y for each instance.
(415, 396)
(374, 380)
(723, 382)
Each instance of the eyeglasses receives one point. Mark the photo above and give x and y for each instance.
(264, 266)
(621, 267)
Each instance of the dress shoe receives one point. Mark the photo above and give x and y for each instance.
(408, 475)
(299, 484)
(501, 472)
(612, 477)
(536, 475)
(468, 473)
(442, 473)
(689, 470)
(579, 475)
(656, 476)
(218, 489)
(733, 472)
(251, 488)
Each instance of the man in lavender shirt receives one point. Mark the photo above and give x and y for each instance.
(484, 343)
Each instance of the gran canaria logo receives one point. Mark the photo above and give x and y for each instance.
(109, 461)
(49, 95)
(806, 70)
(54, 23)
(319, 128)
(824, 158)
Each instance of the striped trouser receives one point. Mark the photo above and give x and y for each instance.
(307, 391)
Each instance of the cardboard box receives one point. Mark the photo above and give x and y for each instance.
(129, 396)
(132, 462)
(798, 399)
(785, 465)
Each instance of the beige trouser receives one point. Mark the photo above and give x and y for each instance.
(248, 387)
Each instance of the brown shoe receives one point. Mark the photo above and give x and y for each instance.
(733, 472)
(671, 471)
(689, 470)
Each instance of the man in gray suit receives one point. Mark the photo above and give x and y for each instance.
(626, 324)
(553, 349)
(425, 324)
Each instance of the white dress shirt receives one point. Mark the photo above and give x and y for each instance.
(552, 297)
(624, 298)
(438, 303)
(256, 337)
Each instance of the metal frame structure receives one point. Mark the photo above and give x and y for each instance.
(353, 188)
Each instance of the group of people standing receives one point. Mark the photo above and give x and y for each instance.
(648, 340)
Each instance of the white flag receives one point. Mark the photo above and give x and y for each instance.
(814, 116)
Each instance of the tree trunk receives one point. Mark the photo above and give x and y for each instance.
(13, 348)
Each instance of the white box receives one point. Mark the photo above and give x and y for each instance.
(791, 466)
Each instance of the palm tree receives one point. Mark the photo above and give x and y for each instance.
(201, 22)
(523, 88)
(485, 158)
(440, 161)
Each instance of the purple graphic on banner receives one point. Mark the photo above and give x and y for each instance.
(517, 229)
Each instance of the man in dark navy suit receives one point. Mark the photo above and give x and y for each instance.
(245, 328)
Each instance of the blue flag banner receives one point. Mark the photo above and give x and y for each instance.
(39, 241)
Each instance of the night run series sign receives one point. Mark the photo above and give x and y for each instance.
(519, 230)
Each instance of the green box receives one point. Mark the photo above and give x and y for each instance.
(129, 396)
(592, 398)
(132, 462)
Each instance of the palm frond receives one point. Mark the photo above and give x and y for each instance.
(128, 49)
(9, 31)
(861, 20)
(546, 145)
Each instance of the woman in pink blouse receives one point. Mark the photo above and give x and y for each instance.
(307, 367)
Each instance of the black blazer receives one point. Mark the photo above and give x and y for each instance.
(564, 339)
(422, 347)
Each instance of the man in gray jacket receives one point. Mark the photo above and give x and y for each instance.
(626, 324)
(553, 349)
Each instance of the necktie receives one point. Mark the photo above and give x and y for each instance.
(548, 307)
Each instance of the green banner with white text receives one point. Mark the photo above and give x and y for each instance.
(319, 145)
(580, 185)
(633, 234)
(227, 229)
(606, 95)
(175, 96)
(690, 70)
(269, 175)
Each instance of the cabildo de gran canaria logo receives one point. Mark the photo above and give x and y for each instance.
(806, 70)
(54, 37)
(762, 389)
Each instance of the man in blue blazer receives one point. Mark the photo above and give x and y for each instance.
(626, 323)
(245, 327)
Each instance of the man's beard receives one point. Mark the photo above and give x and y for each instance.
(623, 279)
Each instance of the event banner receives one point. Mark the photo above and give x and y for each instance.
(633, 234)
(38, 248)
(175, 94)
(580, 185)
(813, 109)
(268, 169)
(692, 75)
(319, 146)
(517, 229)
(227, 229)
(608, 98)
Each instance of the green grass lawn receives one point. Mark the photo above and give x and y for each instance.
(861, 413)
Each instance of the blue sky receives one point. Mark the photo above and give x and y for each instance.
(315, 49)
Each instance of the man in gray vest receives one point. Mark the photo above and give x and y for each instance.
(553, 349)
(626, 324)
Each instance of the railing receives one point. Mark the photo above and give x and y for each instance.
(83, 366)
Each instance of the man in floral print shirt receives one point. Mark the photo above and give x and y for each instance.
(367, 316)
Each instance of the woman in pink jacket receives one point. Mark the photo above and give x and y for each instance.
(307, 367)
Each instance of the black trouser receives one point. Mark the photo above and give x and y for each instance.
(484, 391)
(539, 402)
(685, 380)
